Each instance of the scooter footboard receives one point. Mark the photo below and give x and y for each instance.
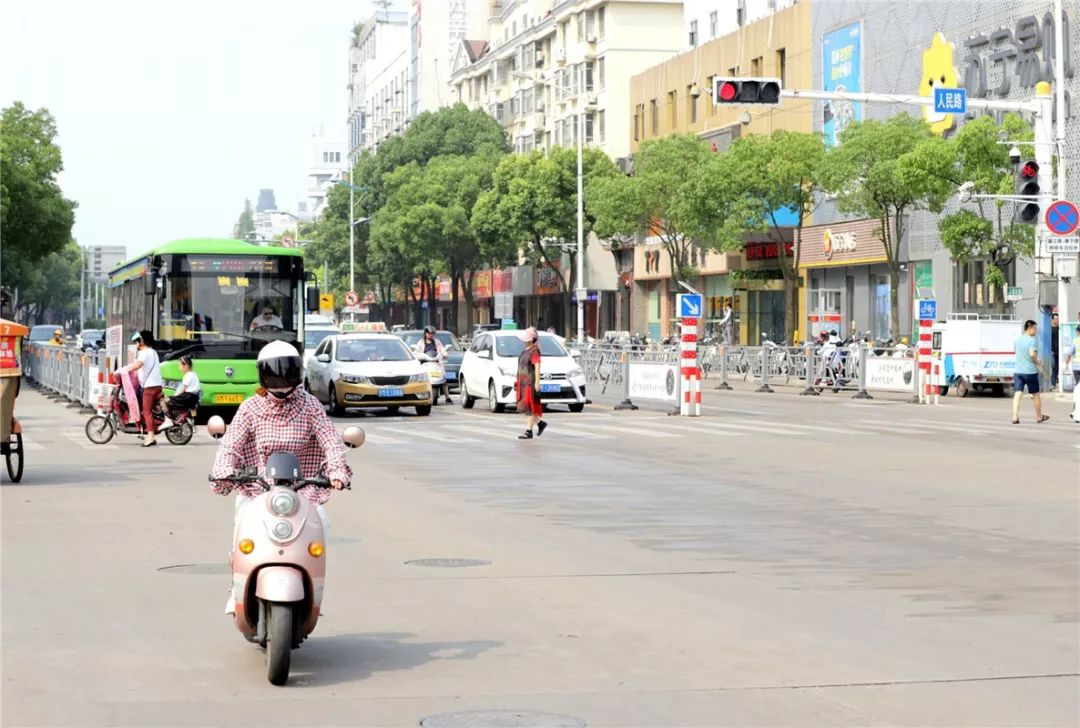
(280, 584)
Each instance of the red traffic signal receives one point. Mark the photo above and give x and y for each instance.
(746, 90)
(1029, 188)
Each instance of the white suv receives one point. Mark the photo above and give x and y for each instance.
(489, 371)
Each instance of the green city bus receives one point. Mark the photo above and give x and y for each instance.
(201, 297)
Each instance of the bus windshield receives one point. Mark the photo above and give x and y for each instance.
(234, 315)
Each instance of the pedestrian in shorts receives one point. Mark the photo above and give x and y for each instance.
(1026, 373)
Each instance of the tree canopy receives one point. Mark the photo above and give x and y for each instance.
(35, 217)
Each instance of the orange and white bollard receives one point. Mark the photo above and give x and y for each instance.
(690, 373)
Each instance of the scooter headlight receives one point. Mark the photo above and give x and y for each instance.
(282, 530)
(284, 503)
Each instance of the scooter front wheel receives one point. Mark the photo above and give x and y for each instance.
(99, 429)
(279, 639)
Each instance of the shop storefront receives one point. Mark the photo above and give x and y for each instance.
(846, 278)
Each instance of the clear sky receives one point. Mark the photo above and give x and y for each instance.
(169, 115)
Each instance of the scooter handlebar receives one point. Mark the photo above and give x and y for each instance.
(257, 479)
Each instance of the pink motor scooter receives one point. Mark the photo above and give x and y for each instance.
(279, 557)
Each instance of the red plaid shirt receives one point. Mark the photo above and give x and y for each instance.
(263, 426)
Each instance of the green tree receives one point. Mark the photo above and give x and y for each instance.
(533, 203)
(983, 229)
(870, 177)
(35, 218)
(245, 224)
(749, 185)
(50, 291)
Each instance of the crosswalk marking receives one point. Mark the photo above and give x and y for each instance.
(703, 431)
(377, 438)
(428, 434)
(652, 432)
(584, 434)
(779, 430)
(483, 431)
(831, 429)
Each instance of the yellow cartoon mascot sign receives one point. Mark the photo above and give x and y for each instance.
(938, 71)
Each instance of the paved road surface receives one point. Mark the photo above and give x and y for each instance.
(781, 561)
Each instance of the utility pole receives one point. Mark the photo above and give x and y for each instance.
(1062, 167)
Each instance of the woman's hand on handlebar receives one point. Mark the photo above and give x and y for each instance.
(337, 485)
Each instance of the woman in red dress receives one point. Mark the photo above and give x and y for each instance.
(528, 385)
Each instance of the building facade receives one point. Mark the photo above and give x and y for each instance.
(549, 70)
(996, 49)
(710, 19)
(676, 97)
(100, 259)
(378, 79)
(328, 161)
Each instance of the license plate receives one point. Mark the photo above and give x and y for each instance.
(228, 398)
(451, 375)
(391, 392)
(550, 388)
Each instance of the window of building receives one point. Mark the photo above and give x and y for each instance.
(590, 127)
(590, 72)
(714, 23)
(600, 122)
(580, 27)
(781, 66)
(600, 83)
(740, 13)
(693, 34)
(600, 22)
(691, 104)
(755, 67)
(654, 112)
(590, 30)
(637, 124)
(673, 105)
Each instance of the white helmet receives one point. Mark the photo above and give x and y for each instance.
(280, 366)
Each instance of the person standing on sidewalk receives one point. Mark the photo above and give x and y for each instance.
(1055, 350)
(148, 366)
(1072, 360)
(528, 385)
(1026, 373)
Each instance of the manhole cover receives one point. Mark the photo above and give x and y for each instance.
(501, 719)
(448, 563)
(199, 569)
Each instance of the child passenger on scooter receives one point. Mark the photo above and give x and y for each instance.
(187, 394)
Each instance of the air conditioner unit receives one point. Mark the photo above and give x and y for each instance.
(560, 55)
(591, 38)
(590, 99)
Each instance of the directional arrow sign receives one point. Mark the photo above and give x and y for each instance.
(689, 305)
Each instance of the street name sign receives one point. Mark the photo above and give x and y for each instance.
(950, 100)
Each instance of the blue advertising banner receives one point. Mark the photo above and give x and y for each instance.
(841, 70)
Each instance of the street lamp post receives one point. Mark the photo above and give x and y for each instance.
(580, 291)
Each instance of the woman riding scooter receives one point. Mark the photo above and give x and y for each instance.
(430, 345)
(281, 418)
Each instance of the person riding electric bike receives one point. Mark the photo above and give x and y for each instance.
(282, 417)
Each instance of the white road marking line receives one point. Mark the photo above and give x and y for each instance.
(631, 430)
(577, 431)
(428, 435)
(754, 428)
(376, 438)
(487, 432)
(701, 430)
(837, 430)
(31, 446)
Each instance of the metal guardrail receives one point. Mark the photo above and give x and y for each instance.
(816, 370)
(64, 371)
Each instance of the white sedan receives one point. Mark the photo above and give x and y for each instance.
(489, 371)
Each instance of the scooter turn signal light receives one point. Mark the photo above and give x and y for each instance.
(246, 545)
(315, 548)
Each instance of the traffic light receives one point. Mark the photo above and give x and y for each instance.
(746, 91)
(1029, 187)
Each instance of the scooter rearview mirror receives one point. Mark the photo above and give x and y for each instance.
(353, 436)
(216, 427)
